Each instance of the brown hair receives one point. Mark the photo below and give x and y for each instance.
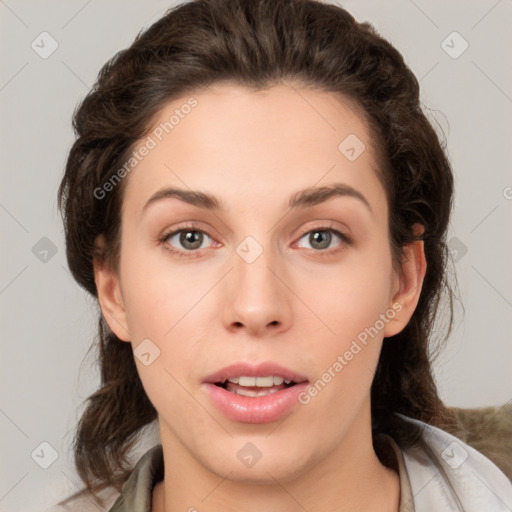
(257, 43)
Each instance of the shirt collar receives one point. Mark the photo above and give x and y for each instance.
(137, 492)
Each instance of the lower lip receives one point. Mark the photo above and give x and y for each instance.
(258, 409)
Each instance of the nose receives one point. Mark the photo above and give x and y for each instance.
(257, 296)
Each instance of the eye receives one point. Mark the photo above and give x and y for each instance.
(190, 238)
(321, 238)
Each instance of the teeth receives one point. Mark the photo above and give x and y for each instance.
(264, 382)
(250, 392)
(247, 381)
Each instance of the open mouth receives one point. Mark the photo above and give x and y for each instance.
(255, 386)
(255, 394)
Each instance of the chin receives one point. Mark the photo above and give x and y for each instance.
(265, 470)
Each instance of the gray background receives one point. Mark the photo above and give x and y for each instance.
(48, 323)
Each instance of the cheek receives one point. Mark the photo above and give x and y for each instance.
(345, 333)
(349, 296)
(157, 293)
(339, 299)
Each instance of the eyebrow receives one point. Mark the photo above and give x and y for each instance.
(301, 199)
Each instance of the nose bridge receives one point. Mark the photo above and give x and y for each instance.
(259, 297)
(253, 262)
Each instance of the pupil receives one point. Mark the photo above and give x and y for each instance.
(323, 235)
(191, 237)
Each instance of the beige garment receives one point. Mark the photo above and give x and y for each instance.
(406, 497)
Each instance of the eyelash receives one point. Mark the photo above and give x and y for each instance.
(194, 253)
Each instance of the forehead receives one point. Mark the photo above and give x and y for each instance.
(254, 147)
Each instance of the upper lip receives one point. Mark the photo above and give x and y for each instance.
(260, 370)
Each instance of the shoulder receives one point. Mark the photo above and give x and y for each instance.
(147, 464)
(135, 494)
(85, 502)
(447, 474)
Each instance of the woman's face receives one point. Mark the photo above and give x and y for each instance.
(308, 290)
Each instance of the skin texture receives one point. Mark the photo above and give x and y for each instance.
(297, 304)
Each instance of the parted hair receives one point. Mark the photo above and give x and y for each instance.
(258, 44)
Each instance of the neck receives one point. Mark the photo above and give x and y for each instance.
(350, 478)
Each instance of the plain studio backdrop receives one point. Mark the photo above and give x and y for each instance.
(51, 53)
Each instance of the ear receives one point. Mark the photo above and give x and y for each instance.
(408, 284)
(109, 294)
